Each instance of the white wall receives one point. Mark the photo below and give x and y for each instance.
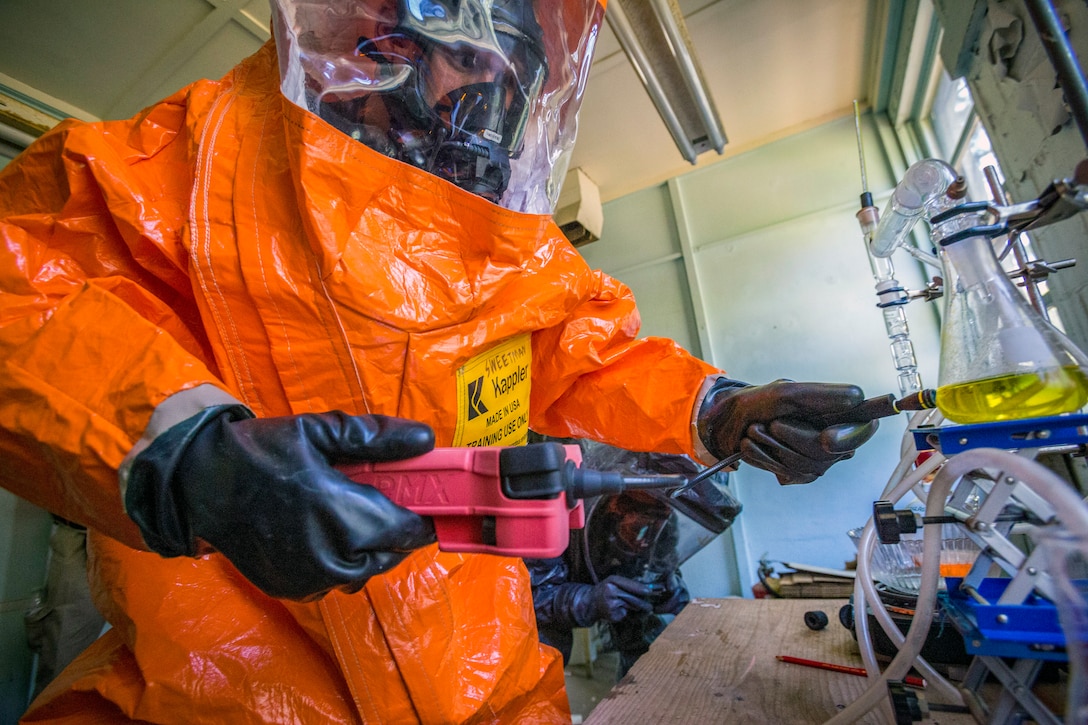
(760, 269)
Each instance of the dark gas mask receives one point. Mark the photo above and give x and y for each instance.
(463, 113)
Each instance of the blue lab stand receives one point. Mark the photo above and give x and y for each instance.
(1030, 630)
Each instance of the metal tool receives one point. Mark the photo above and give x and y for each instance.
(707, 473)
(524, 500)
(513, 501)
(882, 406)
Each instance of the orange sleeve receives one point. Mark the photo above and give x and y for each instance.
(97, 322)
(594, 378)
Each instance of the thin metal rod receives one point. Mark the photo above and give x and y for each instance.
(1031, 286)
(665, 480)
(707, 473)
(1063, 59)
(861, 149)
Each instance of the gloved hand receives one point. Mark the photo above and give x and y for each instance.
(781, 427)
(264, 493)
(675, 596)
(610, 600)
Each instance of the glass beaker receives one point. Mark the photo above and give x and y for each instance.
(1000, 359)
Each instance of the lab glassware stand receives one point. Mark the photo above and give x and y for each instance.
(1015, 608)
(1008, 504)
(1012, 506)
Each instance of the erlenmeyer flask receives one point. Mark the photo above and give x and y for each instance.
(1000, 359)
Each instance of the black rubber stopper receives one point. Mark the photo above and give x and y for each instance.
(846, 615)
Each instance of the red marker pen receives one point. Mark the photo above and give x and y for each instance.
(908, 680)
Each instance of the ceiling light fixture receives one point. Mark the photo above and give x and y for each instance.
(653, 36)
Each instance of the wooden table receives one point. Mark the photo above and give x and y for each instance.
(715, 663)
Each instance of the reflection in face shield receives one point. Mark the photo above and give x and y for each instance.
(449, 86)
(633, 534)
(647, 535)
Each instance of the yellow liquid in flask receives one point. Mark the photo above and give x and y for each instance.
(1009, 397)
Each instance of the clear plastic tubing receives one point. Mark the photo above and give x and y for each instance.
(1041, 481)
(866, 593)
(921, 188)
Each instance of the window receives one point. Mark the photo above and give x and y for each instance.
(961, 139)
(952, 110)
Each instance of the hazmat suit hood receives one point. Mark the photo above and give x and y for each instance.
(229, 238)
(481, 93)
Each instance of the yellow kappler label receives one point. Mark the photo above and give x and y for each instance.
(493, 396)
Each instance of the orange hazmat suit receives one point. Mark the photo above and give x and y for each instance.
(227, 237)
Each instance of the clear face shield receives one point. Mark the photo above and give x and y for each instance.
(646, 535)
(481, 93)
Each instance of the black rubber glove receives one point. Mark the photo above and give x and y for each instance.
(610, 600)
(264, 493)
(675, 596)
(782, 426)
